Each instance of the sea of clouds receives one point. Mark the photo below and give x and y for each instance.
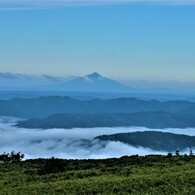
(77, 143)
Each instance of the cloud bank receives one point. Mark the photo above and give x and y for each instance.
(76, 143)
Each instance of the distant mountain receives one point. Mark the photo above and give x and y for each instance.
(95, 83)
(158, 141)
(146, 119)
(90, 83)
(46, 106)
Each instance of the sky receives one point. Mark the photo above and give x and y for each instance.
(126, 40)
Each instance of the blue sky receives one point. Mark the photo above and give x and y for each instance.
(152, 41)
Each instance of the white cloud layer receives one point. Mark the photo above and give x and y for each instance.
(70, 144)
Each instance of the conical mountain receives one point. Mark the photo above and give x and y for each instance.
(95, 83)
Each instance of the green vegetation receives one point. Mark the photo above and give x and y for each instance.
(153, 174)
(11, 158)
(155, 140)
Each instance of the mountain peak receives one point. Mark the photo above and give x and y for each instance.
(94, 82)
(94, 75)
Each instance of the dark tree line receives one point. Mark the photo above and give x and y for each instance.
(12, 157)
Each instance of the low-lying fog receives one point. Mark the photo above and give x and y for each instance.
(70, 144)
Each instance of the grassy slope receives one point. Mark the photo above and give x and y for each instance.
(128, 175)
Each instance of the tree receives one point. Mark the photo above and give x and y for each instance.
(4, 158)
(53, 165)
(177, 152)
(191, 152)
(12, 157)
(16, 157)
(169, 155)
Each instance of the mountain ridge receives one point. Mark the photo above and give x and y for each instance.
(152, 120)
(46, 106)
(155, 140)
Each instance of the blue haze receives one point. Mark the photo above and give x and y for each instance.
(126, 42)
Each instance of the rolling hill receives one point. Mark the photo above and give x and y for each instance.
(154, 140)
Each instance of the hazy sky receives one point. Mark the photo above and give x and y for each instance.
(153, 41)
